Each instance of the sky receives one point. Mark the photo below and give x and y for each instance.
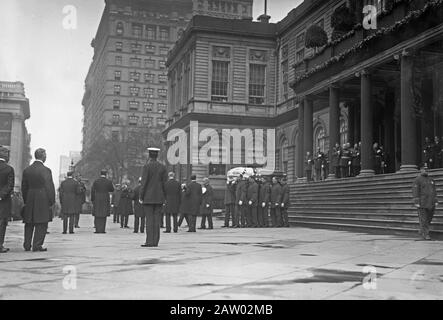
(52, 62)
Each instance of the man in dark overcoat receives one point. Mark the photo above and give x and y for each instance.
(264, 197)
(172, 204)
(80, 200)
(152, 196)
(68, 193)
(191, 202)
(101, 201)
(285, 203)
(336, 155)
(116, 195)
(7, 181)
(275, 203)
(39, 197)
(240, 196)
(252, 203)
(139, 215)
(425, 200)
(207, 206)
(230, 204)
(125, 208)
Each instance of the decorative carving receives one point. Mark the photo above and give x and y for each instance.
(221, 52)
(258, 55)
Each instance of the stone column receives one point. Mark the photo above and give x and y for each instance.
(308, 134)
(351, 125)
(367, 126)
(408, 120)
(334, 124)
(300, 140)
(17, 147)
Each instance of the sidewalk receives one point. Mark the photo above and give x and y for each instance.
(267, 264)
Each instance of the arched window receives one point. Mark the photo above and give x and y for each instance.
(284, 155)
(319, 139)
(120, 29)
(343, 132)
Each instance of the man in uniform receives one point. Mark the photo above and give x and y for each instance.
(263, 203)
(116, 195)
(100, 198)
(336, 155)
(318, 164)
(428, 153)
(152, 196)
(139, 215)
(275, 203)
(207, 206)
(68, 194)
(125, 208)
(345, 161)
(191, 202)
(39, 197)
(425, 200)
(356, 160)
(240, 196)
(172, 205)
(80, 200)
(285, 202)
(230, 204)
(309, 164)
(252, 199)
(7, 181)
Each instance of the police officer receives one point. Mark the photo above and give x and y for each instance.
(152, 196)
(264, 196)
(336, 155)
(345, 161)
(378, 155)
(207, 206)
(318, 165)
(309, 164)
(230, 204)
(356, 160)
(285, 202)
(139, 216)
(240, 196)
(425, 200)
(252, 199)
(7, 181)
(172, 204)
(275, 203)
(125, 208)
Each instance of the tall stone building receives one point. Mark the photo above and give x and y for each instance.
(126, 88)
(14, 110)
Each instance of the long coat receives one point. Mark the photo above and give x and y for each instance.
(68, 193)
(241, 192)
(6, 188)
(252, 194)
(264, 194)
(173, 196)
(424, 192)
(138, 208)
(275, 195)
(38, 193)
(285, 195)
(230, 193)
(192, 199)
(125, 204)
(207, 206)
(100, 197)
(81, 196)
(153, 183)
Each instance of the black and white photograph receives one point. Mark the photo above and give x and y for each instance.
(232, 152)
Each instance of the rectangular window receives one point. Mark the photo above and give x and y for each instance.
(137, 30)
(285, 78)
(134, 91)
(136, 62)
(220, 82)
(119, 46)
(148, 92)
(300, 55)
(162, 93)
(134, 105)
(115, 119)
(134, 76)
(148, 106)
(117, 90)
(149, 63)
(257, 82)
(164, 34)
(162, 78)
(149, 77)
(147, 121)
(161, 107)
(116, 104)
(132, 120)
(150, 49)
(217, 169)
(164, 51)
(300, 41)
(136, 48)
(151, 32)
(117, 75)
(119, 60)
(161, 121)
(162, 64)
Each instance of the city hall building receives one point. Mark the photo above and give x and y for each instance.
(363, 85)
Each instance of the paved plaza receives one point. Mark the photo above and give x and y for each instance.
(262, 264)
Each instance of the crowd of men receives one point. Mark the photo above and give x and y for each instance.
(433, 153)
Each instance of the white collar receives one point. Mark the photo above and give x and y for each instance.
(1, 159)
(37, 160)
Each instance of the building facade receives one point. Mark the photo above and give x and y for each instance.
(67, 163)
(361, 85)
(126, 89)
(14, 111)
